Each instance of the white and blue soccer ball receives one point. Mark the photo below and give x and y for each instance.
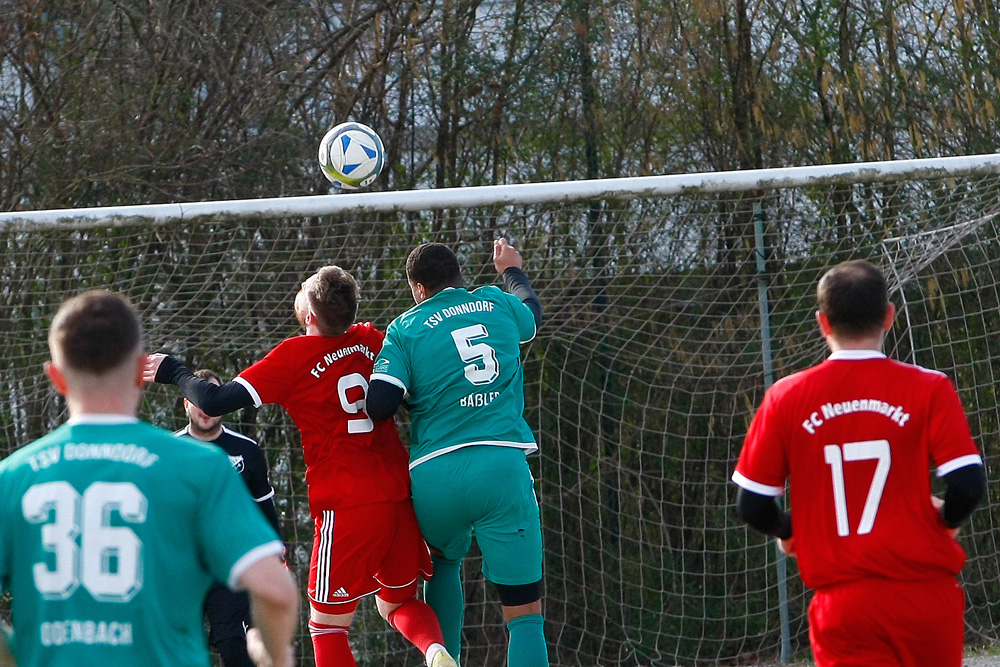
(351, 155)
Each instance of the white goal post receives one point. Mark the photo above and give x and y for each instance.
(517, 194)
(670, 303)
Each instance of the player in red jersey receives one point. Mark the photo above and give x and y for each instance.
(855, 437)
(366, 539)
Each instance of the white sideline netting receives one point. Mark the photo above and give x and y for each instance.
(640, 385)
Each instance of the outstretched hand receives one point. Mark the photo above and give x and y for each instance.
(506, 256)
(153, 362)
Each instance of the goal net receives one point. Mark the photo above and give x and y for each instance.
(670, 304)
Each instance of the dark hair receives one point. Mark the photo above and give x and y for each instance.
(210, 375)
(434, 266)
(95, 332)
(333, 295)
(854, 296)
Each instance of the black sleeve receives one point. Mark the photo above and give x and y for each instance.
(964, 489)
(517, 284)
(210, 397)
(383, 399)
(762, 513)
(270, 513)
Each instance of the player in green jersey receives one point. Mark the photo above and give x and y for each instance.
(456, 359)
(112, 530)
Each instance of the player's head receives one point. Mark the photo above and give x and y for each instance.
(854, 297)
(430, 268)
(201, 425)
(329, 299)
(96, 345)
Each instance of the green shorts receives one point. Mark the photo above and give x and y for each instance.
(486, 492)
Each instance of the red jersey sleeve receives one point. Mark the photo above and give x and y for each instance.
(951, 443)
(763, 463)
(269, 380)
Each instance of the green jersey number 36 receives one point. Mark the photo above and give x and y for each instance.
(108, 559)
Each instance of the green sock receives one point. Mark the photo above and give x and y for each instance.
(445, 596)
(527, 642)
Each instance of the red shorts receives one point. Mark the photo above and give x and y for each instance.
(883, 623)
(366, 549)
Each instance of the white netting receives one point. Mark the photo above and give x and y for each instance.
(640, 385)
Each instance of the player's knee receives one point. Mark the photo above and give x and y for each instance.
(515, 595)
(386, 608)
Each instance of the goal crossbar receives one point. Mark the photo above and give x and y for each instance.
(524, 193)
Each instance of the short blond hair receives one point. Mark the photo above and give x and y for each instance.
(333, 296)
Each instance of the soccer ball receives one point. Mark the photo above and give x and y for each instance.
(351, 155)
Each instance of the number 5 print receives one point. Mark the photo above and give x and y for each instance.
(476, 353)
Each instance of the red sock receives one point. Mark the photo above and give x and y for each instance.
(416, 621)
(330, 645)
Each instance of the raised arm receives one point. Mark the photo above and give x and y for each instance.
(509, 263)
(214, 400)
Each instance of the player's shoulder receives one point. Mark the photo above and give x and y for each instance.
(510, 303)
(789, 384)
(189, 458)
(496, 295)
(408, 320)
(23, 456)
(291, 343)
(489, 292)
(237, 438)
(366, 331)
(137, 442)
(920, 371)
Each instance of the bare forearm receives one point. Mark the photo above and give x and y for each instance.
(274, 606)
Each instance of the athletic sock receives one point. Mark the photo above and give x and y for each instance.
(527, 642)
(416, 621)
(330, 645)
(445, 596)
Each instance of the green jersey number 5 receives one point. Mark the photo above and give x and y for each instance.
(481, 359)
(107, 559)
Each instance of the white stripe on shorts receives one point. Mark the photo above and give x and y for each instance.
(323, 554)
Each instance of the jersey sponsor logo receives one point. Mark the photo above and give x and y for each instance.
(237, 462)
(461, 309)
(330, 357)
(896, 413)
(59, 633)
